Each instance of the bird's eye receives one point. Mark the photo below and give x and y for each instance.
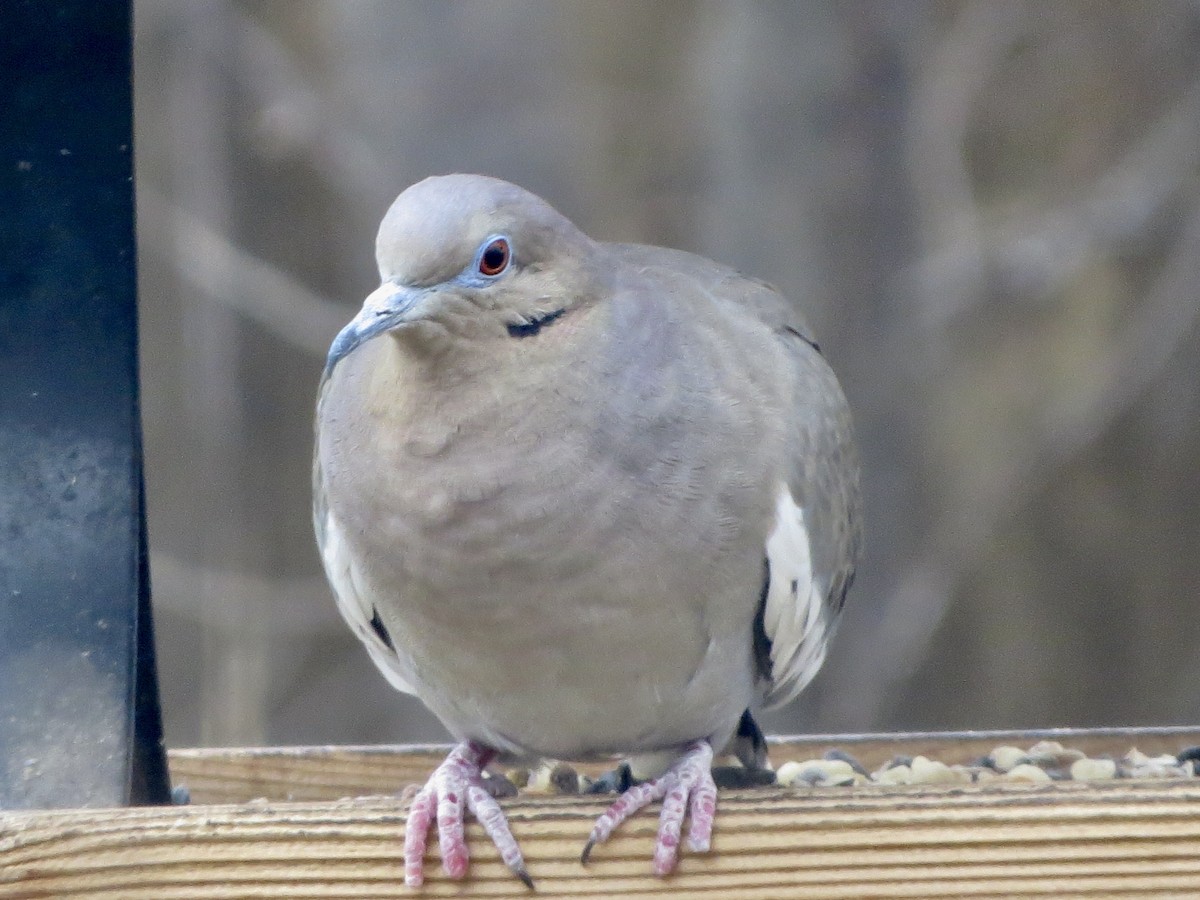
(494, 257)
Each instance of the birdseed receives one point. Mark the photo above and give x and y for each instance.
(1043, 762)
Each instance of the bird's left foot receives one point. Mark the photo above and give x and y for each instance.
(686, 786)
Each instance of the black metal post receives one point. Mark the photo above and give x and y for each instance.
(79, 715)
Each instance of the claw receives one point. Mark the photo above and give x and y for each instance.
(687, 786)
(455, 784)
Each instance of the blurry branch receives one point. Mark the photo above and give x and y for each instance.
(208, 261)
(939, 118)
(960, 541)
(1034, 258)
(293, 116)
(289, 607)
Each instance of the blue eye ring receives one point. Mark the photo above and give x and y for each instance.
(494, 256)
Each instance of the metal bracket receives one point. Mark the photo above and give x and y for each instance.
(79, 716)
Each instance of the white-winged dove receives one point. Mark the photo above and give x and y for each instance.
(582, 499)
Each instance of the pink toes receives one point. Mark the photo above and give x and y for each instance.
(703, 811)
(690, 777)
(455, 785)
(455, 788)
(625, 806)
(686, 786)
(485, 808)
(420, 817)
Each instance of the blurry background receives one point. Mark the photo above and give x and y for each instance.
(990, 210)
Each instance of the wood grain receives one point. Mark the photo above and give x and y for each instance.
(1115, 839)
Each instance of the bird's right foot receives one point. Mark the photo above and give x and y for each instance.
(458, 781)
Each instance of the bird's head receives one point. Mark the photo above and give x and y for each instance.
(471, 257)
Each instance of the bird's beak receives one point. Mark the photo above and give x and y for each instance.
(386, 307)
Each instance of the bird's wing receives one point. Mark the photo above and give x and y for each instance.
(349, 589)
(813, 545)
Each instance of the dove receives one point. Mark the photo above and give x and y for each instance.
(585, 500)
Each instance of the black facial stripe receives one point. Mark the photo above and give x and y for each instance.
(526, 329)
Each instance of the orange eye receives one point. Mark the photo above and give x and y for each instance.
(494, 257)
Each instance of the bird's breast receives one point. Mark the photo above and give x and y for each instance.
(562, 523)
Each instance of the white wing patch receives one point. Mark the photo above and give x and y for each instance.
(795, 617)
(354, 601)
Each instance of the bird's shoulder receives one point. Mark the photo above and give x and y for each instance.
(719, 284)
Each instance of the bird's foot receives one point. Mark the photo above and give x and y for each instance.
(687, 785)
(458, 781)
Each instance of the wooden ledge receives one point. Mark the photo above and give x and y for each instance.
(332, 772)
(1121, 838)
